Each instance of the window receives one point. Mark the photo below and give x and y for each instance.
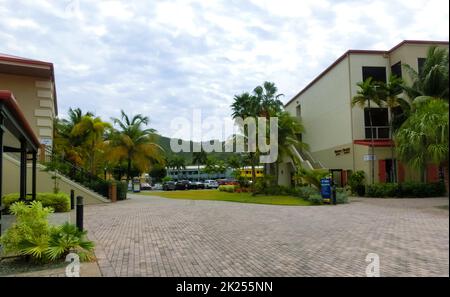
(377, 73)
(380, 123)
(298, 111)
(420, 64)
(396, 69)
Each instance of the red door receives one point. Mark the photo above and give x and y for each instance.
(382, 171)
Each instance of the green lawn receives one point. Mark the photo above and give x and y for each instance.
(232, 197)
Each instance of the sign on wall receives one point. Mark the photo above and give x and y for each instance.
(46, 141)
(370, 157)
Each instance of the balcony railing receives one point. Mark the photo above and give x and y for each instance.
(378, 132)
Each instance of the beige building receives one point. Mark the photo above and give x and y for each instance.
(32, 84)
(339, 135)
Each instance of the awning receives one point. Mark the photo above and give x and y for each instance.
(376, 142)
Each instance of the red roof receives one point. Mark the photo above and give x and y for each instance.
(7, 98)
(376, 142)
(367, 52)
(16, 59)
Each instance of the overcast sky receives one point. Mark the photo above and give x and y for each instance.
(164, 58)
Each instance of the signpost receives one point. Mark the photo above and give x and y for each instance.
(370, 157)
(325, 190)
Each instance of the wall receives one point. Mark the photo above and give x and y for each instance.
(44, 182)
(35, 97)
(357, 61)
(325, 110)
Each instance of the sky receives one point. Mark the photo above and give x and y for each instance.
(164, 59)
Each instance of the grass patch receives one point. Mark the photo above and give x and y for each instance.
(231, 197)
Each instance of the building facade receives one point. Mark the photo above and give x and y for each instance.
(338, 134)
(33, 84)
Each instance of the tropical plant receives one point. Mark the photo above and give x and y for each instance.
(92, 131)
(68, 238)
(134, 144)
(366, 95)
(311, 176)
(178, 163)
(199, 158)
(423, 137)
(432, 80)
(31, 232)
(214, 166)
(356, 182)
(390, 96)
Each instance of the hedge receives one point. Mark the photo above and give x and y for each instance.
(59, 202)
(405, 190)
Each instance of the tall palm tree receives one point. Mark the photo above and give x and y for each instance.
(289, 128)
(199, 158)
(423, 137)
(65, 143)
(92, 131)
(268, 98)
(134, 143)
(389, 94)
(432, 80)
(178, 163)
(247, 105)
(366, 95)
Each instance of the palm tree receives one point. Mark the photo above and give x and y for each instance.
(289, 129)
(65, 143)
(389, 94)
(92, 131)
(199, 158)
(423, 137)
(246, 105)
(178, 163)
(432, 80)
(269, 103)
(134, 143)
(367, 94)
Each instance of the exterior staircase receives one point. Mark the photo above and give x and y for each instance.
(306, 159)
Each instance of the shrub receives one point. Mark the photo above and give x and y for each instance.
(227, 188)
(356, 182)
(415, 189)
(122, 189)
(68, 238)
(315, 199)
(406, 189)
(32, 236)
(31, 232)
(341, 197)
(382, 190)
(60, 202)
(305, 192)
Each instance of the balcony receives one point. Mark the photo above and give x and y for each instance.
(378, 132)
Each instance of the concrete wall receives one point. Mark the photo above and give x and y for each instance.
(44, 182)
(35, 97)
(325, 111)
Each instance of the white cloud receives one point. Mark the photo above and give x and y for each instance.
(163, 58)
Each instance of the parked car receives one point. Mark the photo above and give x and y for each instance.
(145, 186)
(198, 185)
(211, 184)
(157, 187)
(169, 186)
(182, 185)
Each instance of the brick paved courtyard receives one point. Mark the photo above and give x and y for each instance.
(152, 236)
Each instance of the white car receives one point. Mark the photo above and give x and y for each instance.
(157, 187)
(211, 184)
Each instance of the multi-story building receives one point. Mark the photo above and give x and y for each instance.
(339, 135)
(32, 85)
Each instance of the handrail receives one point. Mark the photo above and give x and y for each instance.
(76, 173)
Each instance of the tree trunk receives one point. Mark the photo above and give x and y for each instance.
(128, 170)
(253, 172)
(198, 172)
(372, 148)
(394, 164)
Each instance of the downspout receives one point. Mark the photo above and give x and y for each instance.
(351, 110)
